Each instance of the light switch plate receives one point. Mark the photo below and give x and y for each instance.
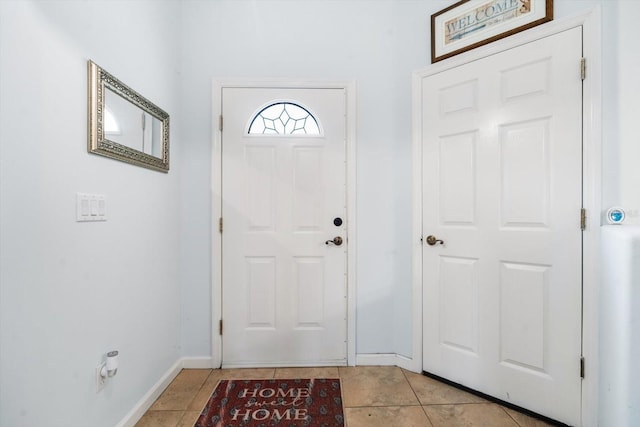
(91, 207)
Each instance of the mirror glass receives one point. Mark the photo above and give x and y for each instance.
(124, 125)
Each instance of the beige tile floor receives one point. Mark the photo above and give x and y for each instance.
(372, 395)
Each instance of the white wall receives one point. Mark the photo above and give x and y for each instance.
(70, 292)
(377, 44)
(374, 43)
(625, 66)
(620, 102)
(620, 336)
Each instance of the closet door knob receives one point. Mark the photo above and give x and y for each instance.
(432, 240)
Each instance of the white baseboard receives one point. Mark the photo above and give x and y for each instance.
(152, 395)
(147, 400)
(197, 363)
(387, 359)
(377, 359)
(409, 364)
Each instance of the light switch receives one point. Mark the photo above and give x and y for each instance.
(84, 206)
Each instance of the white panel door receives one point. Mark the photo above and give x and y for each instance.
(502, 188)
(284, 284)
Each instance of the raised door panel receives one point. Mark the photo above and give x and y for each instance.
(525, 174)
(259, 189)
(260, 295)
(459, 304)
(457, 180)
(310, 288)
(523, 322)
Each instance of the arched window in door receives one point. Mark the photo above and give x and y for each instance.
(284, 118)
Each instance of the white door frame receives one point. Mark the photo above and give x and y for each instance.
(592, 178)
(216, 200)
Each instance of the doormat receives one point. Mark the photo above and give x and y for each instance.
(275, 402)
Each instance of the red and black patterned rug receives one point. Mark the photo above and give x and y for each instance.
(276, 402)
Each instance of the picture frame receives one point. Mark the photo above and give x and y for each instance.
(468, 24)
(124, 125)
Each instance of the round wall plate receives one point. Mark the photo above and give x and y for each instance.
(615, 215)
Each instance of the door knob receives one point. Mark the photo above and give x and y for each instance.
(432, 240)
(336, 241)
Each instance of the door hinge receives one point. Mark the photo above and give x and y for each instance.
(583, 219)
(583, 68)
(220, 123)
(220, 224)
(220, 327)
(582, 367)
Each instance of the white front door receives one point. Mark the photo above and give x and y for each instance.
(502, 188)
(284, 288)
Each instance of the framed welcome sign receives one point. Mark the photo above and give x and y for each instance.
(472, 23)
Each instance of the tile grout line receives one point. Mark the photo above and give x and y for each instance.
(404, 374)
(182, 418)
(199, 389)
(410, 386)
(184, 412)
(459, 404)
(384, 406)
(510, 416)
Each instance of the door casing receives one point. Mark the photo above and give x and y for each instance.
(592, 173)
(216, 191)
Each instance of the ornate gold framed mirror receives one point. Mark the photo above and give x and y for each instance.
(124, 125)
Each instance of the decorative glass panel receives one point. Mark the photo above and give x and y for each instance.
(284, 118)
